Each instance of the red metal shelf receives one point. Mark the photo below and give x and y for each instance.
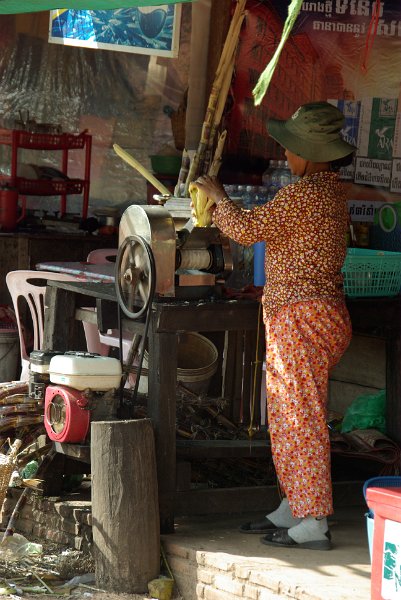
(21, 139)
(47, 141)
(45, 187)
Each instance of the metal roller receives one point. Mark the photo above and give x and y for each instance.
(195, 259)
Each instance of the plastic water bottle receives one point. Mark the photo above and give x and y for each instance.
(241, 194)
(284, 173)
(261, 195)
(267, 175)
(248, 198)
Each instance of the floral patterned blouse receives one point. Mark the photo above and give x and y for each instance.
(304, 228)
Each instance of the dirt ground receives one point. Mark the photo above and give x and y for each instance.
(87, 595)
(56, 572)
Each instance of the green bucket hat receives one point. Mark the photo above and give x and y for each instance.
(313, 132)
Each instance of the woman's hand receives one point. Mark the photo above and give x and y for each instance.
(205, 192)
(212, 187)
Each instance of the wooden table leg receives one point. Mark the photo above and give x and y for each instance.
(393, 387)
(161, 410)
(60, 327)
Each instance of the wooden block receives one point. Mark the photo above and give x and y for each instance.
(125, 512)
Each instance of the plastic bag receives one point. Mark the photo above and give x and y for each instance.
(366, 412)
(17, 546)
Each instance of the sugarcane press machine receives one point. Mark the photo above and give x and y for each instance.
(160, 253)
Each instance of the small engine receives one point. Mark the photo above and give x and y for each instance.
(77, 388)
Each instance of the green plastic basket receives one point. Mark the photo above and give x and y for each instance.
(371, 273)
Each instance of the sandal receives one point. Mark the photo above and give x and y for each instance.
(263, 526)
(282, 539)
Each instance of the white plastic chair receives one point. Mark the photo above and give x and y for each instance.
(100, 256)
(31, 285)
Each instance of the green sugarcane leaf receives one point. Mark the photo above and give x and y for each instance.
(263, 83)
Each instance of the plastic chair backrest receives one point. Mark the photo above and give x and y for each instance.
(101, 256)
(31, 285)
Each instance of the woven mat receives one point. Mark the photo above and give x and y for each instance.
(368, 444)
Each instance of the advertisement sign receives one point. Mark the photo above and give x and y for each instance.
(333, 54)
(143, 30)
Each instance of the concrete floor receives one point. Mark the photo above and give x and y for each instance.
(340, 574)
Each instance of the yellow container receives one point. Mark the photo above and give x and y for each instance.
(161, 588)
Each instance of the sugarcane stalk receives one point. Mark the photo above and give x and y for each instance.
(141, 169)
(15, 388)
(221, 419)
(226, 82)
(219, 111)
(183, 174)
(216, 163)
(223, 79)
(183, 433)
(232, 37)
(226, 61)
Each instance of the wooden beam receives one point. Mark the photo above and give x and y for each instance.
(254, 499)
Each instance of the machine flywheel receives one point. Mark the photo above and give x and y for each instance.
(135, 276)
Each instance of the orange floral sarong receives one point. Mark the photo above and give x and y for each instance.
(304, 341)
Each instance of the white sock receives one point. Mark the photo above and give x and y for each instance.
(309, 529)
(282, 516)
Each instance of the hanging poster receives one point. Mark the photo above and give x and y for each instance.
(347, 52)
(143, 30)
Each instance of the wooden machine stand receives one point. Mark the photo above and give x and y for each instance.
(167, 318)
(379, 317)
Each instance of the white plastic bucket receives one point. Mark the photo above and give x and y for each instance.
(196, 363)
(9, 352)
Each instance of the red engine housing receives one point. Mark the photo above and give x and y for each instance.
(67, 416)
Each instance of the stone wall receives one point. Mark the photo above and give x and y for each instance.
(63, 521)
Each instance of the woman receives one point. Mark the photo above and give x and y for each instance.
(306, 320)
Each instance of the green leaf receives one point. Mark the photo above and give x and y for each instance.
(261, 87)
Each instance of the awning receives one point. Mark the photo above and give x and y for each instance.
(8, 7)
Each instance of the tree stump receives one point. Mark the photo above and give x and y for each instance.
(125, 510)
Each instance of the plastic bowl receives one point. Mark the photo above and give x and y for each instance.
(166, 165)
